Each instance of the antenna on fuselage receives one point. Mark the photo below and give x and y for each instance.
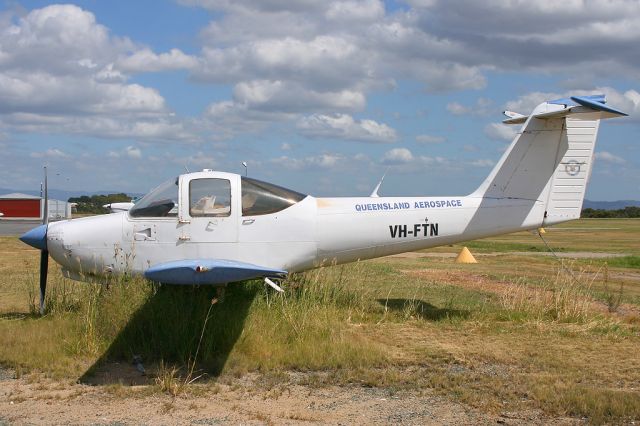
(187, 169)
(246, 169)
(375, 194)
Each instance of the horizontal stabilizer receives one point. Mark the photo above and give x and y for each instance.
(512, 114)
(598, 106)
(208, 272)
(567, 106)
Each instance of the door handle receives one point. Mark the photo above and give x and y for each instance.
(248, 221)
(143, 235)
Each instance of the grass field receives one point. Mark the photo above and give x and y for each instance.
(513, 332)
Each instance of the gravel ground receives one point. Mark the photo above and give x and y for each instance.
(245, 400)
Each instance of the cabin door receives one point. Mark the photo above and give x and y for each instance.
(209, 216)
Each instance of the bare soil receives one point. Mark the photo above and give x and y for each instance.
(250, 399)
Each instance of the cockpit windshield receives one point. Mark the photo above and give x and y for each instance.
(260, 198)
(160, 202)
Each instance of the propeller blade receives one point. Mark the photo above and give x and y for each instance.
(45, 204)
(44, 254)
(44, 268)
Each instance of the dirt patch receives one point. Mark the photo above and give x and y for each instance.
(243, 400)
(479, 282)
(461, 279)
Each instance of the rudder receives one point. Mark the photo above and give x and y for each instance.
(574, 165)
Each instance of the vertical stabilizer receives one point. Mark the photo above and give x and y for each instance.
(550, 159)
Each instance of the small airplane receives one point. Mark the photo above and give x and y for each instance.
(214, 228)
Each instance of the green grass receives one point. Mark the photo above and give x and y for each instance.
(498, 246)
(632, 262)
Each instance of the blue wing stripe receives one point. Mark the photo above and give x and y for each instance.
(208, 272)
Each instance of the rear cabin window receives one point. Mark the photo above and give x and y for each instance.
(160, 202)
(259, 198)
(209, 197)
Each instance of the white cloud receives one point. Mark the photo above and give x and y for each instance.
(223, 120)
(397, 156)
(147, 61)
(481, 107)
(200, 159)
(608, 157)
(327, 57)
(501, 132)
(326, 62)
(403, 160)
(351, 10)
(133, 152)
(322, 161)
(579, 37)
(57, 75)
(456, 108)
(50, 153)
(291, 97)
(423, 138)
(482, 163)
(346, 48)
(343, 126)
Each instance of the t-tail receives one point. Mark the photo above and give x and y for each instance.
(550, 159)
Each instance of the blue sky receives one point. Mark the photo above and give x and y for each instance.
(322, 97)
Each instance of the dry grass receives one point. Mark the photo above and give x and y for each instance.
(168, 379)
(566, 298)
(510, 333)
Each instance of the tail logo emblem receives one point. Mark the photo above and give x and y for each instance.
(572, 167)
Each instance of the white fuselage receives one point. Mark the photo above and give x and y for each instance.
(313, 232)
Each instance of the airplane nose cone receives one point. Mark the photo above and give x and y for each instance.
(37, 237)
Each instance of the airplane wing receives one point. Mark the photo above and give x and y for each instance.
(208, 272)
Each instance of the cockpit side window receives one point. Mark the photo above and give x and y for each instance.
(259, 198)
(210, 197)
(160, 202)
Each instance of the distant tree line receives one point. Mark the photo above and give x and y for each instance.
(94, 203)
(620, 213)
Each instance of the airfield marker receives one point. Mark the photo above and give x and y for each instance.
(465, 256)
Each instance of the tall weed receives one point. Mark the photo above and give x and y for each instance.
(568, 297)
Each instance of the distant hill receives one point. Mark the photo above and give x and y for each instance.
(59, 194)
(610, 205)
